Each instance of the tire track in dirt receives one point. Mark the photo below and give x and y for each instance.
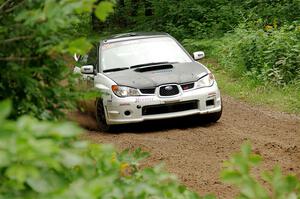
(195, 151)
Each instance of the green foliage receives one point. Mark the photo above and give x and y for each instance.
(270, 11)
(271, 56)
(284, 99)
(103, 10)
(200, 19)
(37, 38)
(238, 172)
(47, 160)
(182, 19)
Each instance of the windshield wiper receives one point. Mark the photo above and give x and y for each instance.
(115, 69)
(151, 63)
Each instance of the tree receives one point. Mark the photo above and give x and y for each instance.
(35, 36)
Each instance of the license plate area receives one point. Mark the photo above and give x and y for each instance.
(170, 107)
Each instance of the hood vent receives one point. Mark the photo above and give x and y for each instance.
(153, 68)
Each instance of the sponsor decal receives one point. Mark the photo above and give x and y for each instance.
(171, 101)
(144, 99)
(125, 104)
(109, 102)
(107, 46)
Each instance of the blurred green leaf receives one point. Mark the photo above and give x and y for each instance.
(4, 159)
(103, 9)
(255, 159)
(40, 159)
(231, 176)
(46, 183)
(80, 46)
(5, 109)
(209, 197)
(237, 171)
(246, 150)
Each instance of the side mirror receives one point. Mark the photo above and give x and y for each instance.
(88, 69)
(198, 55)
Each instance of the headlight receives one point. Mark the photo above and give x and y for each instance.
(123, 91)
(205, 81)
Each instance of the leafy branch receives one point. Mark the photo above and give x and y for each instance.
(238, 172)
(18, 38)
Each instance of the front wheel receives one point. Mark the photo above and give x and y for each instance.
(100, 117)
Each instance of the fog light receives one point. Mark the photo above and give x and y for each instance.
(210, 102)
(127, 113)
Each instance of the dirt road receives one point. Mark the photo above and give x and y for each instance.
(195, 151)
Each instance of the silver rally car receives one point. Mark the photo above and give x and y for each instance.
(149, 76)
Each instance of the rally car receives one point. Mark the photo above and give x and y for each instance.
(149, 76)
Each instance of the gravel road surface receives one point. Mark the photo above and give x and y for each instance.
(195, 151)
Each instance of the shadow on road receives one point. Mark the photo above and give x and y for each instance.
(166, 124)
(88, 122)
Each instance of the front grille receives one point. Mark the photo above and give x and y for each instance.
(187, 86)
(170, 108)
(147, 91)
(168, 90)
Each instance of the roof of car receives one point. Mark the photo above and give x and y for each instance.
(133, 35)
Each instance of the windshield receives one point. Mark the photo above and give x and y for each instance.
(142, 51)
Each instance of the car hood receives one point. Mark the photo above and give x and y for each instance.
(153, 76)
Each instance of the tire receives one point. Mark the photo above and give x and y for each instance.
(213, 117)
(101, 118)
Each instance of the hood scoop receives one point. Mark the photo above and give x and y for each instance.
(153, 68)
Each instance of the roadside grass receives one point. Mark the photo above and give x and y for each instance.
(285, 99)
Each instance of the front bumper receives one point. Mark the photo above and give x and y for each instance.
(131, 109)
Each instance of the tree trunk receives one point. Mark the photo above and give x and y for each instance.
(148, 8)
(120, 15)
(134, 7)
(122, 3)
